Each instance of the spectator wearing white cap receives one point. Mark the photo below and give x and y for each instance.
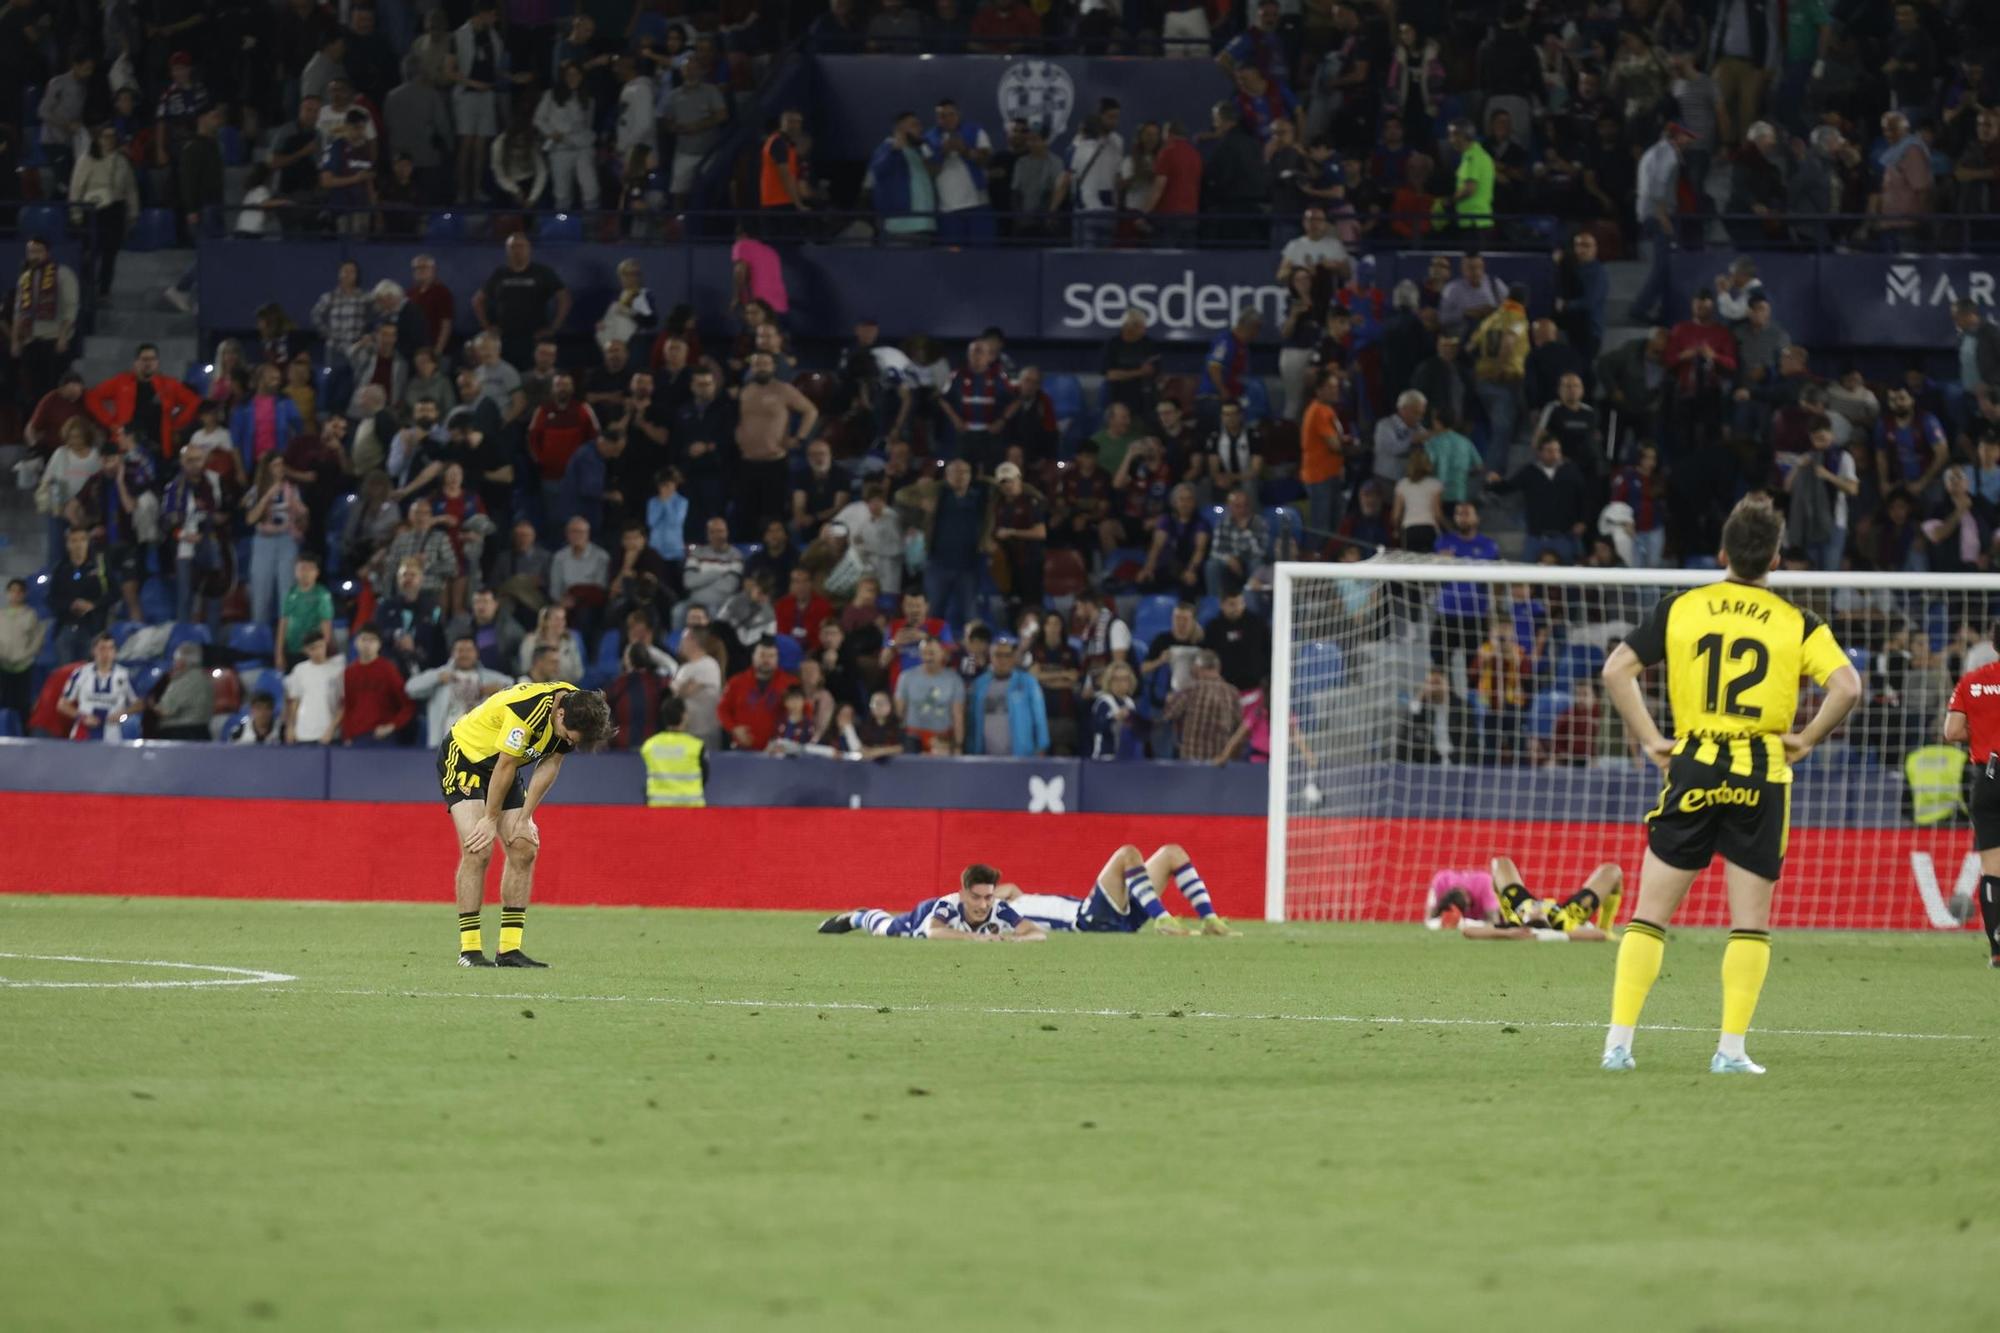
(1021, 530)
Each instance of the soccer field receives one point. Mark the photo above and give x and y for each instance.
(703, 1120)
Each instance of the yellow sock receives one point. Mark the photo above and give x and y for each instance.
(513, 921)
(469, 940)
(1745, 960)
(1607, 913)
(1640, 951)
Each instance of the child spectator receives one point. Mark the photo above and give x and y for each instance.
(313, 695)
(260, 727)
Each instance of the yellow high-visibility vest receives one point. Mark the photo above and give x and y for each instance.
(673, 770)
(1935, 774)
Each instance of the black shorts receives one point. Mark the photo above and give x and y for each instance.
(1985, 811)
(460, 780)
(1706, 811)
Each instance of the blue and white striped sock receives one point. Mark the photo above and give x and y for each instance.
(1139, 887)
(873, 920)
(1188, 880)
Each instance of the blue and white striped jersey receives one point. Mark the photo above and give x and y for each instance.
(949, 911)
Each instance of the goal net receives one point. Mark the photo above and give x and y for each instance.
(1444, 712)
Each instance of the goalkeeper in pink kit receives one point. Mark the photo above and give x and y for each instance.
(1495, 904)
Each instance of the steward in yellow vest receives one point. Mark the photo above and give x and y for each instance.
(676, 762)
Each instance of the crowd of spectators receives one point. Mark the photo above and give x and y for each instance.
(688, 506)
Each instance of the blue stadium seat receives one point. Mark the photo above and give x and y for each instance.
(231, 143)
(1543, 711)
(1067, 395)
(237, 719)
(1579, 661)
(144, 677)
(156, 599)
(1321, 664)
(121, 630)
(789, 652)
(1859, 657)
(47, 220)
(444, 227)
(38, 594)
(1154, 617)
(1283, 520)
(10, 722)
(184, 632)
(197, 377)
(1207, 609)
(269, 681)
(673, 644)
(131, 727)
(155, 230)
(252, 641)
(1256, 399)
(559, 229)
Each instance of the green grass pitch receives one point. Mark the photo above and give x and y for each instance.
(724, 1121)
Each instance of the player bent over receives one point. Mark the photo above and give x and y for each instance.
(480, 766)
(975, 912)
(1124, 899)
(1734, 652)
(1494, 904)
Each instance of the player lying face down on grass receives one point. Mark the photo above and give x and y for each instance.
(975, 912)
(1495, 904)
(1733, 652)
(480, 763)
(1124, 899)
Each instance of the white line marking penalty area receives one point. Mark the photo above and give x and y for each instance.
(233, 976)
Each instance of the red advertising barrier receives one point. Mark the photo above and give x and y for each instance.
(825, 860)
(608, 856)
(1847, 878)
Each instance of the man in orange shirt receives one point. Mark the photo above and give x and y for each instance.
(1322, 462)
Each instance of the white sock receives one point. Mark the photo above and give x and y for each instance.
(1731, 1045)
(1619, 1035)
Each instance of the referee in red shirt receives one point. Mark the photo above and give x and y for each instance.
(1974, 719)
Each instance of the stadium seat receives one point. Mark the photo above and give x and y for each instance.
(155, 230)
(559, 229)
(1064, 573)
(1579, 661)
(185, 632)
(1066, 396)
(43, 220)
(790, 653)
(156, 599)
(236, 719)
(1207, 609)
(10, 722)
(444, 227)
(1284, 520)
(197, 377)
(253, 642)
(1321, 664)
(269, 681)
(144, 677)
(231, 142)
(1544, 710)
(1155, 617)
(1859, 657)
(121, 630)
(130, 727)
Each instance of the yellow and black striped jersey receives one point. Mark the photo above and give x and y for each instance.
(1734, 654)
(520, 720)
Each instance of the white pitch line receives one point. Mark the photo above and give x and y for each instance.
(238, 976)
(1035, 1012)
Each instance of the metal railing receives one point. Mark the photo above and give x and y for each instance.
(1871, 233)
(976, 229)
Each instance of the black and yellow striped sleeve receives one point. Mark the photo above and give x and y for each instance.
(1820, 653)
(1649, 641)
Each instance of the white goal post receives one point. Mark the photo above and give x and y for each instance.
(1428, 714)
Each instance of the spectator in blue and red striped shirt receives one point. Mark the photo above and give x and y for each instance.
(977, 404)
(1227, 366)
(1644, 487)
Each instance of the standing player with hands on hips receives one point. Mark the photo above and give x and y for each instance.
(1973, 719)
(1734, 652)
(480, 768)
